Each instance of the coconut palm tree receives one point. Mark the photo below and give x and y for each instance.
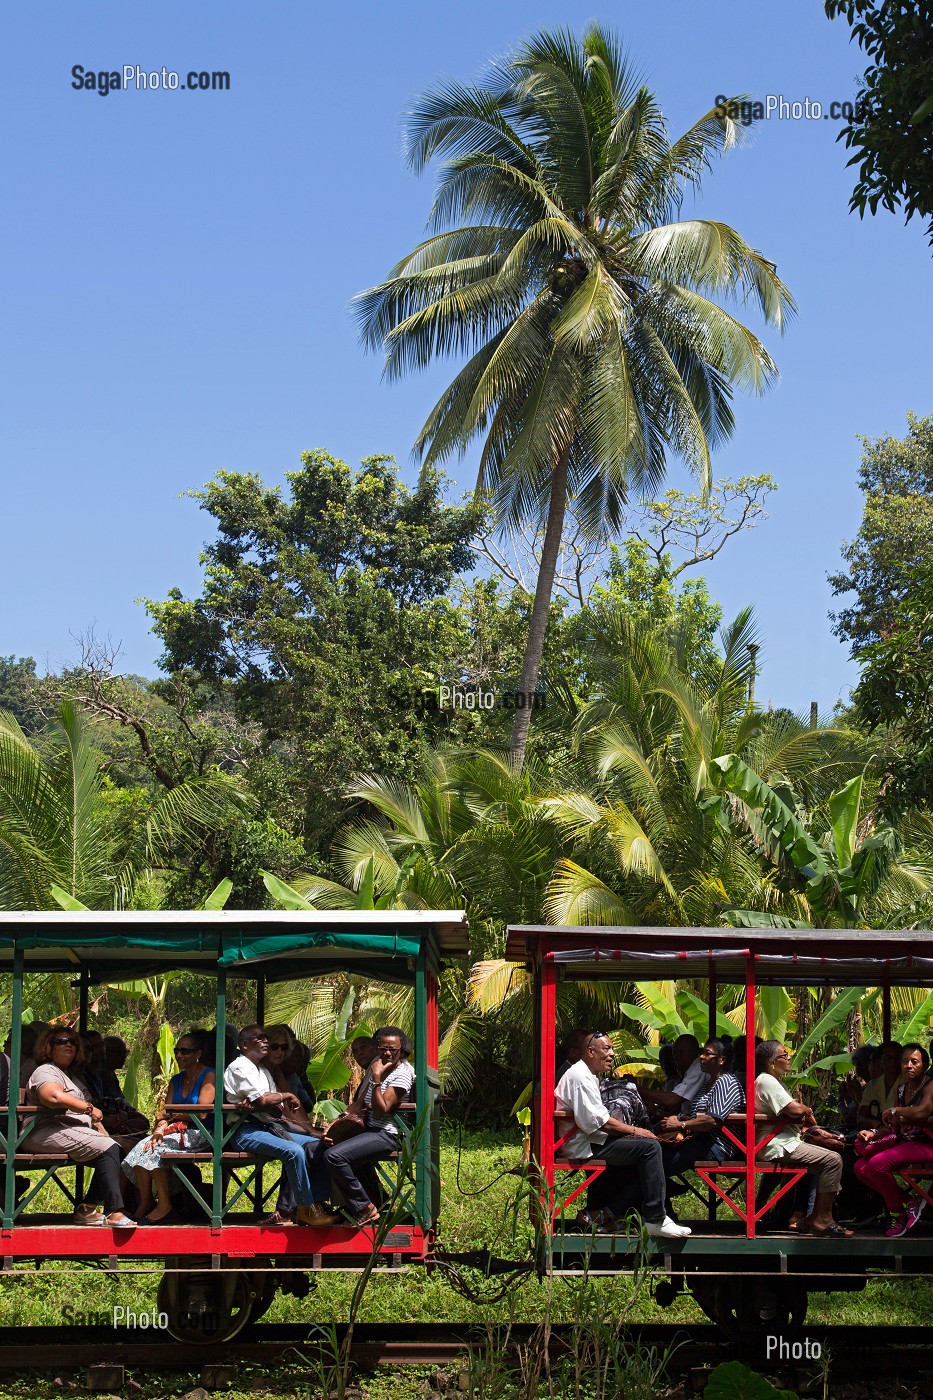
(588, 309)
(59, 845)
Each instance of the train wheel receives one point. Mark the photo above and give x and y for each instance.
(741, 1307)
(204, 1308)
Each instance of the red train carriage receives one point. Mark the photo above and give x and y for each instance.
(223, 1272)
(741, 1276)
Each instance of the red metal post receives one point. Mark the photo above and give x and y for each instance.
(750, 1097)
(548, 1004)
(713, 994)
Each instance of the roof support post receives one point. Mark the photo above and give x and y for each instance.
(750, 1096)
(217, 1196)
(712, 995)
(886, 1005)
(548, 1042)
(12, 1123)
(427, 1084)
(84, 985)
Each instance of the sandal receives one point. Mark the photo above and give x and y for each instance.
(835, 1231)
(123, 1222)
(370, 1218)
(88, 1215)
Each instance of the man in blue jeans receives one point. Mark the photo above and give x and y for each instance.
(265, 1134)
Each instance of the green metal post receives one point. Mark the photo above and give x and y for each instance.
(424, 1094)
(12, 1122)
(217, 1203)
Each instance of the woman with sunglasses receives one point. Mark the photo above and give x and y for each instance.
(173, 1133)
(66, 1121)
(281, 1048)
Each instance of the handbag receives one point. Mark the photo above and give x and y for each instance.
(348, 1125)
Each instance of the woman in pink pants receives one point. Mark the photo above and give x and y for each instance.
(903, 1141)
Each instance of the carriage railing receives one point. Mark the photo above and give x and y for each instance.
(736, 1167)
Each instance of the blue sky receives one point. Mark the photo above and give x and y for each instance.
(178, 267)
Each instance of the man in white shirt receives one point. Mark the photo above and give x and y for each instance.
(265, 1135)
(693, 1082)
(618, 1142)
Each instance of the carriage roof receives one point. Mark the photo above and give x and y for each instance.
(279, 944)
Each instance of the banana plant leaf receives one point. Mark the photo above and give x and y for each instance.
(131, 1076)
(833, 1018)
(166, 1049)
(786, 828)
(219, 895)
(283, 894)
(695, 1012)
(642, 1015)
(661, 1005)
(753, 918)
(774, 1010)
(844, 805)
(328, 1071)
(66, 900)
(919, 1021)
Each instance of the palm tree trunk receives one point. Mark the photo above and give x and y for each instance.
(534, 647)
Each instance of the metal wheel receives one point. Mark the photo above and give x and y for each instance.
(202, 1308)
(742, 1307)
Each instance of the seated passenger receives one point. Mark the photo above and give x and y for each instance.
(772, 1062)
(295, 1069)
(571, 1050)
(68, 1122)
(121, 1118)
(281, 1046)
(692, 1082)
(30, 1034)
(173, 1133)
(621, 1137)
(881, 1092)
(389, 1079)
(852, 1087)
(264, 1133)
(902, 1141)
(702, 1123)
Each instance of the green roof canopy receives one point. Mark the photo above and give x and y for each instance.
(277, 944)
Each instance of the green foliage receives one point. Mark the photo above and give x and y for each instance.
(643, 590)
(328, 1071)
(890, 135)
(56, 828)
(18, 688)
(323, 610)
(852, 876)
(895, 540)
(732, 1380)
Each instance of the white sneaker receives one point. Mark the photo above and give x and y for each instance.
(667, 1229)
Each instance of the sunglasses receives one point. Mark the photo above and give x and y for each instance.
(186, 1049)
(65, 1040)
(278, 1044)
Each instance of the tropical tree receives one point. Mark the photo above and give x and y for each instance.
(557, 262)
(59, 839)
(846, 872)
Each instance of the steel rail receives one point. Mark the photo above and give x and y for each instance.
(854, 1350)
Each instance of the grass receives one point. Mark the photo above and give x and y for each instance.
(472, 1217)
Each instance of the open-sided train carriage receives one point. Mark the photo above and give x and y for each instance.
(222, 1272)
(742, 1277)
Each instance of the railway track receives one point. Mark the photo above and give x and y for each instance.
(855, 1352)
